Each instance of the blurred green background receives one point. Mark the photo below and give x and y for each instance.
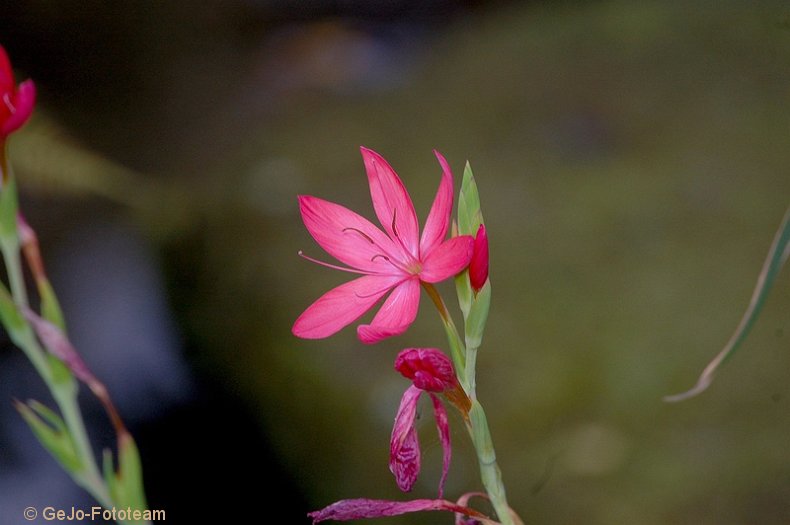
(632, 160)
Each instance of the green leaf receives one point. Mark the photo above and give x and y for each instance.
(132, 473)
(481, 435)
(777, 256)
(469, 215)
(10, 316)
(463, 288)
(478, 315)
(126, 485)
(52, 433)
(108, 470)
(8, 210)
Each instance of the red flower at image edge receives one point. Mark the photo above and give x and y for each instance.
(16, 102)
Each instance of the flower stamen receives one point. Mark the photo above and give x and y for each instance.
(413, 262)
(394, 229)
(395, 264)
(333, 266)
(363, 234)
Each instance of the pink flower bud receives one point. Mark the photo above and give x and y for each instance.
(16, 103)
(428, 368)
(478, 266)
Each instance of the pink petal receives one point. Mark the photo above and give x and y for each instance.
(439, 217)
(391, 201)
(406, 464)
(395, 315)
(447, 259)
(354, 509)
(404, 447)
(347, 236)
(341, 306)
(478, 266)
(6, 74)
(443, 425)
(428, 368)
(23, 101)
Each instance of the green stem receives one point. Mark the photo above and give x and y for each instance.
(9, 240)
(65, 395)
(27, 342)
(457, 349)
(469, 372)
(11, 255)
(90, 479)
(477, 423)
(490, 473)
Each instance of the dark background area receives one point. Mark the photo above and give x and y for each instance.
(632, 163)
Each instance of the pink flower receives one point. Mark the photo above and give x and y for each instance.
(16, 103)
(393, 260)
(478, 266)
(431, 371)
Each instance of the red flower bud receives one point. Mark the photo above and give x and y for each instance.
(478, 267)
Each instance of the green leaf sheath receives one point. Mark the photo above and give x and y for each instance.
(469, 215)
(8, 210)
(490, 473)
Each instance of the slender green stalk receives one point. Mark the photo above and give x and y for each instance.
(9, 246)
(90, 479)
(457, 349)
(477, 424)
(11, 256)
(470, 372)
(65, 393)
(490, 473)
(30, 347)
(65, 397)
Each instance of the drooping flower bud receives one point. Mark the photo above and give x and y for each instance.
(428, 368)
(16, 102)
(478, 266)
(432, 371)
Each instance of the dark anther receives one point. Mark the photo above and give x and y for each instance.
(365, 235)
(394, 216)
